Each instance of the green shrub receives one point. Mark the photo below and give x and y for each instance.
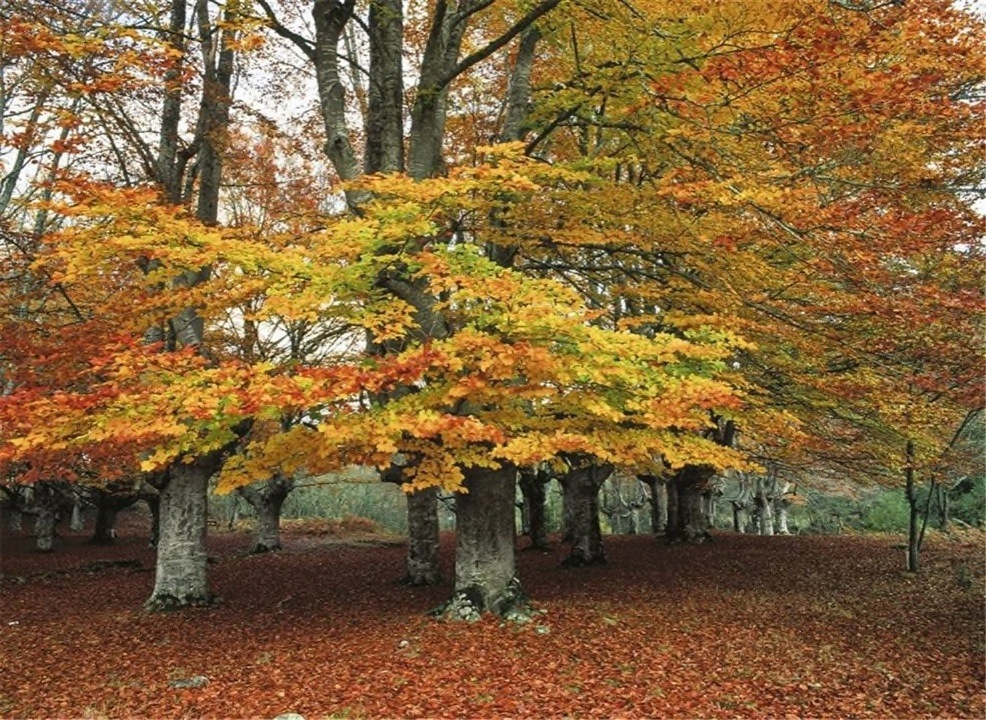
(887, 511)
(968, 501)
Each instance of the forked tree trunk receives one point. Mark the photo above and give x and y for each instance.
(581, 485)
(181, 577)
(687, 518)
(422, 538)
(267, 501)
(485, 570)
(533, 485)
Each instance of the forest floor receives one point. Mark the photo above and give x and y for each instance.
(774, 627)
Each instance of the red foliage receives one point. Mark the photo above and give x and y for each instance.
(746, 627)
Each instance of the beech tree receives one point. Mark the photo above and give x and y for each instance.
(771, 209)
(712, 233)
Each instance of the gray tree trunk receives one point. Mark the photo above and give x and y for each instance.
(44, 528)
(77, 524)
(268, 538)
(16, 519)
(267, 501)
(658, 502)
(485, 569)
(765, 519)
(690, 519)
(943, 507)
(153, 501)
(582, 484)
(170, 164)
(422, 538)
(711, 507)
(181, 578)
(780, 516)
(384, 122)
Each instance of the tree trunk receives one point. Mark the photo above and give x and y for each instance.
(581, 485)
(485, 570)
(658, 501)
(687, 518)
(671, 490)
(105, 531)
(780, 514)
(44, 528)
(16, 519)
(913, 547)
(422, 538)
(533, 485)
(181, 578)
(765, 518)
(567, 514)
(77, 524)
(943, 508)
(267, 501)
(711, 507)
(268, 537)
(153, 501)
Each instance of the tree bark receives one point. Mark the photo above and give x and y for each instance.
(181, 578)
(943, 508)
(77, 524)
(422, 538)
(781, 506)
(485, 569)
(16, 519)
(658, 502)
(153, 501)
(913, 547)
(44, 528)
(533, 485)
(267, 501)
(765, 518)
(384, 122)
(581, 483)
(268, 537)
(690, 521)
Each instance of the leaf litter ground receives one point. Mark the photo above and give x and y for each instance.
(808, 627)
